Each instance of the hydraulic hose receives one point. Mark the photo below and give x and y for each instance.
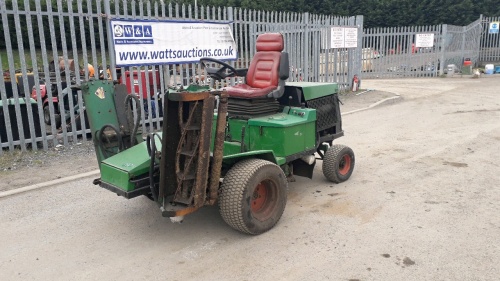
(100, 137)
(151, 146)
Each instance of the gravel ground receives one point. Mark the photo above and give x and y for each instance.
(60, 161)
(19, 169)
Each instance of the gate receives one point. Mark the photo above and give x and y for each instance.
(460, 43)
(392, 52)
(490, 42)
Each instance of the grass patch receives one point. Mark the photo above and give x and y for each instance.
(16, 58)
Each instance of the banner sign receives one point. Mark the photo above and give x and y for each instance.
(140, 42)
(424, 40)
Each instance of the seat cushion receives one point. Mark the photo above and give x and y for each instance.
(270, 42)
(263, 76)
(264, 70)
(247, 92)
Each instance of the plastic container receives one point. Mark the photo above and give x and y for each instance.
(488, 69)
(450, 69)
(467, 69)
(151, 74)
(497, 69)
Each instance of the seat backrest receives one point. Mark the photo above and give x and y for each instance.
(264, 70)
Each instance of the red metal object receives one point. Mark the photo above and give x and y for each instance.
(355, 83)
(259, 197)
(43, 92)
(264, 200)
(147, 80)
(345, 165)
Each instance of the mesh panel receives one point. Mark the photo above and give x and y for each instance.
(325, 110)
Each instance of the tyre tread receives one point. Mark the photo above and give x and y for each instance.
(233, 189)
(330, 165)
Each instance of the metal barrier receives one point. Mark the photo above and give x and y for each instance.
(66, 38)
(50, 47)
(393, 53)
(490, 41)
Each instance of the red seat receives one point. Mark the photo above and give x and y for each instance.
(267, 72)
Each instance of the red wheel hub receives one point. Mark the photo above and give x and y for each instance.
(259, 197)
(263, 201)
(345, 164)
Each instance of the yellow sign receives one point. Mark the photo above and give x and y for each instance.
(100, 93)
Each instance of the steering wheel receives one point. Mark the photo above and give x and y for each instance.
(218, 73)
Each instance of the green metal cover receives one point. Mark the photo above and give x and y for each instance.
(99, 101)
(285, 141)
(289, 117)
(100, 105)
(287, 133)
(314, 90)
(119, 169)
(12, 101)
(192, 88)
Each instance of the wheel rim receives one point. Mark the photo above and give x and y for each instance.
(345, 164)
(263, 202)
(46, 115)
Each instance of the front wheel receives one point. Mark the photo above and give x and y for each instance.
(46, 116)
(338, 163)
(253, 196)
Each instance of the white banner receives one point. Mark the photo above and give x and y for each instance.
(140, 42)
(424, 40)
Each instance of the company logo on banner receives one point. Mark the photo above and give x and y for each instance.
(167, 42)
(133, 34)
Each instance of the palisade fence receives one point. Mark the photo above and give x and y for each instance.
(41, 55)
(392, 52)
(50, 46)
(490, 42)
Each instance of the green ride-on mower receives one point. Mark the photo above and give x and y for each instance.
(238, 146)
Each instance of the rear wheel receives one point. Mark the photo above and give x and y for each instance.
(338, 163)
(253, 196)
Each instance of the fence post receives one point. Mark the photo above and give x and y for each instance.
(444, 33)
(478, 44)
(306, 41)
(230, 18)
(111, 46)
(464, 30)
(358, 67)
